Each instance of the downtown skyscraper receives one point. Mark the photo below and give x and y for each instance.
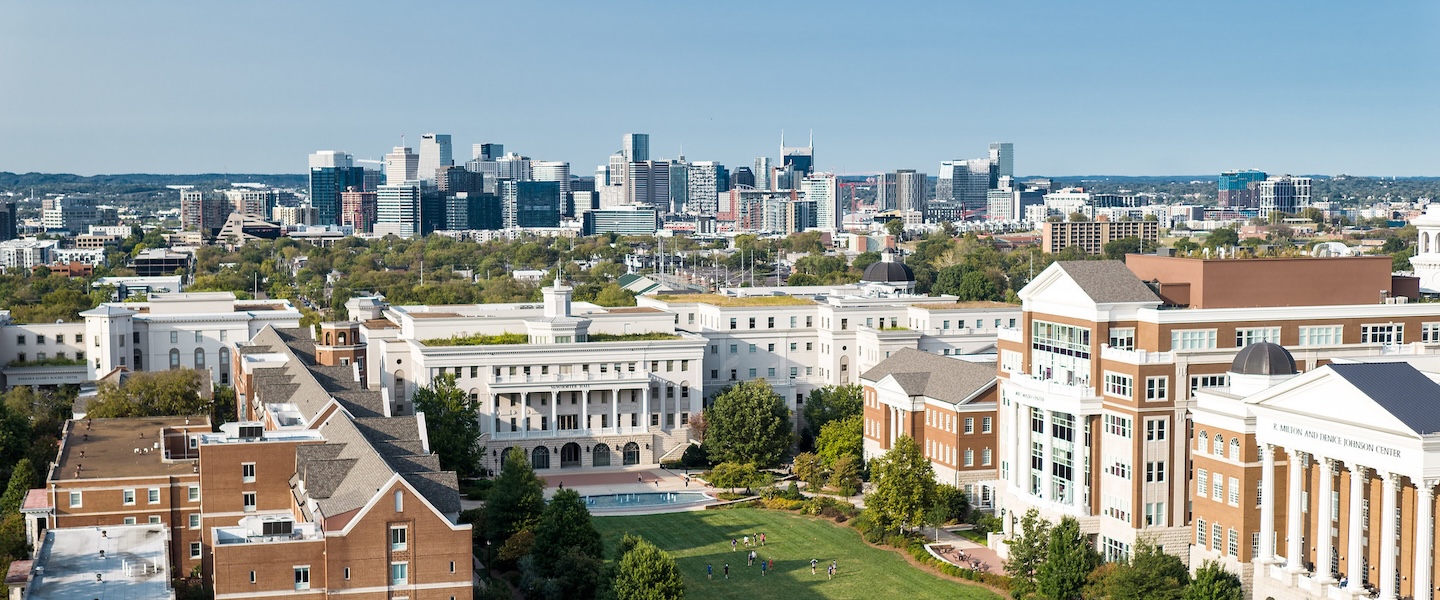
(402, 165)
(331, 173)
(434, 153)
(910, 190)
(824, 190)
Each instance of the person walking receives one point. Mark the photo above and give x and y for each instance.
(747, 541)
(762, 539)
(762, 568)
(727, 570)
(733, 544)
(813, 562)
(831, 572)
(709, 571)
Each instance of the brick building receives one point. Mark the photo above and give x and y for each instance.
(1091, 236)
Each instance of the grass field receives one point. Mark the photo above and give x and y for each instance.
(697, 538)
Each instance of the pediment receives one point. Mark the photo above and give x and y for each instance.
(1324, 395)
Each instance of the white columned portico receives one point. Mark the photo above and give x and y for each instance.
(1387, 583)
(1354, 572)
(1294, 560)
(554, 405)
(1047, 438)
(645, 408)
(615, 408)
(1267, 503)
(584, 409)
(1021, 461)
(1324, 567)
(1424, 538)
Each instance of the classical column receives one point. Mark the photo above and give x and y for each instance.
(1267, 502)
(615, 408)
(554, 404)
(584, 410)
(645, 408)
(525, 415)
(1354, 572)
(1294, 559)
(1387, 580)
(1424, 538)
(1047, 438)
(1021, 461)
(1325, 544)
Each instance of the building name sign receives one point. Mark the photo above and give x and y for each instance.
(1338, 440)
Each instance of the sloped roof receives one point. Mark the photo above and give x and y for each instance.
(934, 376)
(1107, 281)
(1404, 392)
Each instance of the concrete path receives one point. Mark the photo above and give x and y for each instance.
(972, 551)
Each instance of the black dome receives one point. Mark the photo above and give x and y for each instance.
(888, 272)
(1263, 358)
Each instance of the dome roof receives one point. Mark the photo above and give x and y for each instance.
(888, 272)
(1263, 358)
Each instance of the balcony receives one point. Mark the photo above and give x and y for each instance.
(1136, 357)
(537, 434)
(1010, 334)
(265, 529)
(1053, 395)
(631, 377)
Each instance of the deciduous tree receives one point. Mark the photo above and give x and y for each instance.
(1213, 582)
(1028, 548)
(841, 438)
(1069, 559)
(748, 424)
(832, 403)
(517, 499)
(452, 425)
(648, 573)
(152, 394)
(904, 485)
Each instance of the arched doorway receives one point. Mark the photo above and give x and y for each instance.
(505, 454)
(570, 455)
(632, 453)
(540, 457)
(602, 455)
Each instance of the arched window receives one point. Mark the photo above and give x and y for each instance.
(1219, 445)
(1235, 448)
(199, 358)
(224, 360)
(1204, 446)
(540, 457)
(341, 337)
(601, 455)
(328, 339)
(174, 358)
(632, 454)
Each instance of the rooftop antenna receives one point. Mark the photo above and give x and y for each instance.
(811, 143)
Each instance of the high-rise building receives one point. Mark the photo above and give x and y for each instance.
(1002, 155)
(650, 184)
(679, 185)
(742, 176)
(801, 158)
(530, 203)
(332, 172)
(452, 180)
(397, 209)
(624, 220)
(636, 147)
(252, 200)
(78, 213)
(964, 182)
(487, 151)
(706, 180)
(885, 191)
(9, 221)
(1237, 188)
(401, 165)
(910, 190)
(434, 153)
(358, 210)
(474, 212)
(558, 172)
(432, 210)
(762, 173)
(290, 216)
(824, 190)
(1283, 194)
(202, 212)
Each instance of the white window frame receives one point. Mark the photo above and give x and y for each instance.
(404, 537)
(1119, 385)
(127, 497)
(1157, 388)
(298, 570)
(247, 472)
(196, 550)
(193, 493)
(1202, 483)
(152, 496)
(1382, 333)
(76, 499)
(1192, 339)
(1326, 335)
(1244, 336)
(194, 520)
(1122, 338)
(1157, 429)
(249, 500)
(404, 570)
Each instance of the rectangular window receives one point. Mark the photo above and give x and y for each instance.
(247, 472)
(770, 322)
(1192, 339)
(399, 573)
(397, 537)
(732, 323)
(129, 520)
(1202, 482)
(985, 457)
(1430, 332)
(1155, 430)
(302, 578)
(1234, 546)
(248, 500)
(1204, 381)
(1389, 333)
(752, 348)
(174, 337)
(1155, 514)
(1217, 488)
(1234, 492)
(1011, 361)
(794, 372)
(154, 519)
(1121, 338)
(986, 423)
(1215, 536)
(199, 337)
(969, 425)
(194, 493)
(74, 499)
(127, 497)
(1119, 385)
(1157, 388)
(194, 549)
(1155, 471)
(1244, 336)
(195, 520)
(1200, 532)
(153, 495)
(1331, 335)
(1118, 425)
(347, 573)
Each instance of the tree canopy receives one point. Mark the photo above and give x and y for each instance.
(841, 438)
(748, 423)
(648, 573)
(152, 394)
(516, 500)
(904, 485)
(1069, 559)
(451, 423)
(1213, 582)
(831, 403)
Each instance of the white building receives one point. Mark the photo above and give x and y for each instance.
(402, 165)
(397, 209)
(434, 153)
(824, 190)
(552, 170)
(26, 253)
(596, 386)
(703, 179)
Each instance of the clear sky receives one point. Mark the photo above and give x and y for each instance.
(1126, 88)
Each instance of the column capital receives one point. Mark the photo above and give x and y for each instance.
(1428, 487)
(1392, 479)
(1299, 455)
(1332, 464)
(1358, 470)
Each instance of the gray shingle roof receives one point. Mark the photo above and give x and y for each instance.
(1400, 389)
(934, 376)
(1107, 281)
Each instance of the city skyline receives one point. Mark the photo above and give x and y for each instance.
(1123, 89)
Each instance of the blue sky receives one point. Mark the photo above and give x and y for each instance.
(1128, 88)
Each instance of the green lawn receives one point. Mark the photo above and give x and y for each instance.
(866, 573)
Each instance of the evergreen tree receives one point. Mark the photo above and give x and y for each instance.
(1069, 559)
(450, 420)
(904, 485)
(845, 475)
(1028, 548)
(748, 423)
(565, 524)
(648, 573)
(22, 478)
(1149, 573)
(1213, 582)
(832, 403)
(517, 499)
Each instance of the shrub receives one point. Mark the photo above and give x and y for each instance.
(695, 457)
(793, 492)
(782, 504)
